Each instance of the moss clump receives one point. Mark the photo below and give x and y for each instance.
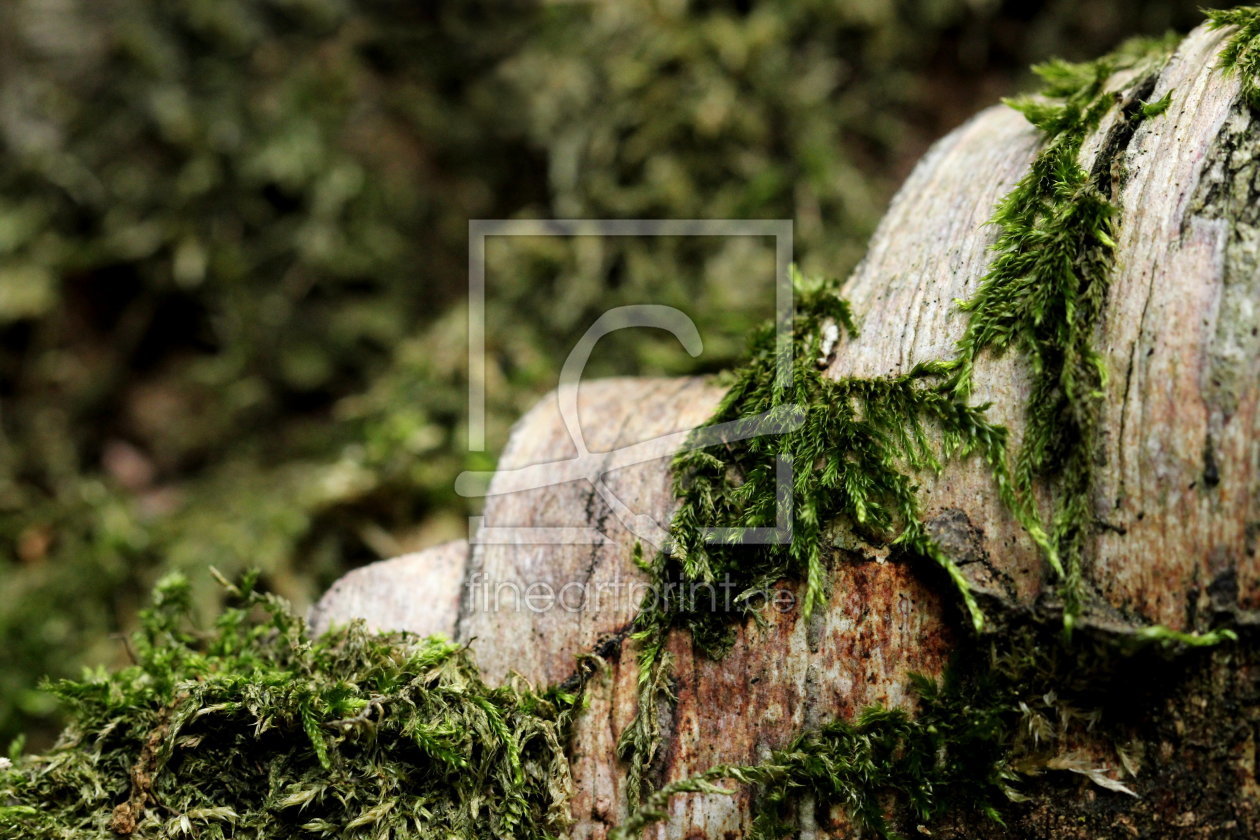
(857, 445)
(254, 730)
(1242, 53)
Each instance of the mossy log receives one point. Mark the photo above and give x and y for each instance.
(1175, 502)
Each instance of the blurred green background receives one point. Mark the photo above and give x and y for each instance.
(233, 249)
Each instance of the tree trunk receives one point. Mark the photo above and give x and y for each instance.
(1176, 497)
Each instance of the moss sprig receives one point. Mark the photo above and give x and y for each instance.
(1241, 55)
(255, 730)
(1043, 297)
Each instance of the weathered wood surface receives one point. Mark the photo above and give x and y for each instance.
(419, 592)
(1177, 498)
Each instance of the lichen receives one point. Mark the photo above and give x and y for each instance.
(255, 730)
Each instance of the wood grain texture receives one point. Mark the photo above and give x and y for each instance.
(1177, 499)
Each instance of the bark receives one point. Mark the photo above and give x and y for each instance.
(1177, 501)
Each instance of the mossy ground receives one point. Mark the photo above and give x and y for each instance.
(255, 730)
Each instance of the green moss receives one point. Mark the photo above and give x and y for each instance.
(1043, 296)
(1158, 107)
(857, 452)
(1242, 52)
(254, 730)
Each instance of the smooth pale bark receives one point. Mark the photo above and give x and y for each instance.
(1176, 497)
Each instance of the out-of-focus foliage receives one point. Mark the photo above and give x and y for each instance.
(233, 245)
